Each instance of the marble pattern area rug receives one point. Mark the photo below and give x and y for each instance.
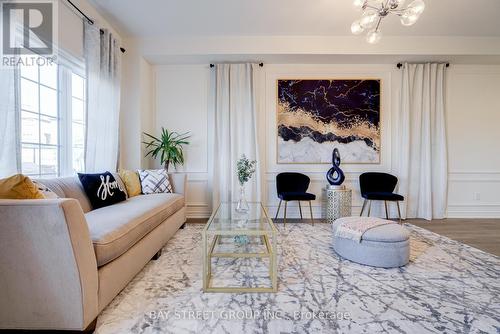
(447, 287)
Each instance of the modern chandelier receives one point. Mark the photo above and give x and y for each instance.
(375, 10)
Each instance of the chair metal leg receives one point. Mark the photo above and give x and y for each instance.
(399, 212)
(300, 210)
(363, 207)
(386, 214)
(369, 207)
(311, 211)
(279, 206)
(284, 217)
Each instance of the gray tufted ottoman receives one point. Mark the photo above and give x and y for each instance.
(385, 246)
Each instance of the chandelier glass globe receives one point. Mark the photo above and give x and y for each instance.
(417, 6)
(358, 3)
(374, 37)
(356, 28)
(374, 11)
(369, 19)
(396, 3)
(408, 19)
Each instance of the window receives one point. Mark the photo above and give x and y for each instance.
(78, 122)
(52, 120)
(39, 120)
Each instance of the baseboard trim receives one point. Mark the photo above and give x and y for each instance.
(454, 211)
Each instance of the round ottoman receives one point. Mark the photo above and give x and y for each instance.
(385, 246)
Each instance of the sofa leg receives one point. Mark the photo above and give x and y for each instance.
(183, 226)
(156, 256)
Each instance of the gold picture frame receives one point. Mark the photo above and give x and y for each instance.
(380, 113)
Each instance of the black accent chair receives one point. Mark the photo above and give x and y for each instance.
(293, 187)
(379, 187)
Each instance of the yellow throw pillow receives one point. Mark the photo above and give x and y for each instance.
(132, 182)
(19, 186)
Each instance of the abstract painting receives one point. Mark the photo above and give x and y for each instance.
(315, 116)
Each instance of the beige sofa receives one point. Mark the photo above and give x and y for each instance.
(61, 263)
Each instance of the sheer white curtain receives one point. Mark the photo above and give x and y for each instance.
(235, 130)
(10, 147)
(103, 60)
(10, 128)
(423, 160)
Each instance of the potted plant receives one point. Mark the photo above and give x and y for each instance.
(245, 169)
(168, 147)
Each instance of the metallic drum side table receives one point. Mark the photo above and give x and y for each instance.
(337, 202)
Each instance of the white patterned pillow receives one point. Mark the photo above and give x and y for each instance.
(154, 181)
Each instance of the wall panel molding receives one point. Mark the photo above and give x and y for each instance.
(474, 174)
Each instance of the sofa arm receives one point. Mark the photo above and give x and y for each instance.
(48, 269)
(179, 182)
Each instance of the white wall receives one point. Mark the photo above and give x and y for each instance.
(161, 48)
(473, 107)
(70, 25)
(178, 97)
(184, 103)
(70, 32)
(137, 105)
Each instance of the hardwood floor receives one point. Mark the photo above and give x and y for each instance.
(197, 220)
(483, 234)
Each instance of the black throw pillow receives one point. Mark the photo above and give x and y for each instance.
(102, 189)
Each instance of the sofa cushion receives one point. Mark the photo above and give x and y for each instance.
(387, 233)
(69, 187)
(131, 181)
(116, 228)
(19, 186)
(383, 196)
(296, 196)
(154, 181)
(392, 232)
(102, 189)
(46, 191)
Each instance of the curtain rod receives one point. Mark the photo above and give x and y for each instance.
(399, 65)
(260, 64)
(89, 20)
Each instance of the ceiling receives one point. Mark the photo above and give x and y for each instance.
(157, 18)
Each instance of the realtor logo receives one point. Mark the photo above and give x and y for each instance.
(28, 27)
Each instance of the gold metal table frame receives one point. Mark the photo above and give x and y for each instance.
(265, 229)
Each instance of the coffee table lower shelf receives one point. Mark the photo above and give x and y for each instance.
(208, 254)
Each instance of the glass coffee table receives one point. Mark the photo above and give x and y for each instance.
(230, 234)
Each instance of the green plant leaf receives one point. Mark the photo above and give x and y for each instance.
(168, 147)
